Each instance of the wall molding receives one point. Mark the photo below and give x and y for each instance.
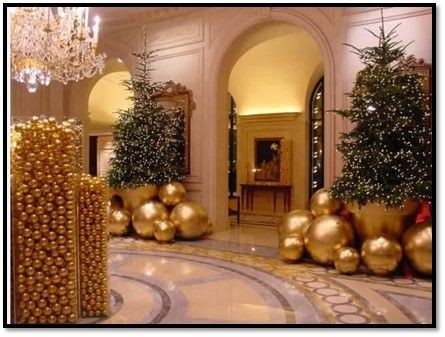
(389, 18)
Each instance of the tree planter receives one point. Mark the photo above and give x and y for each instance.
(373, 219)
(134, 197)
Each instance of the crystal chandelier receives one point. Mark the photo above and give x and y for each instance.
(47, 45)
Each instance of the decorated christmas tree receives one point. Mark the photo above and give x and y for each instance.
(148, 138)
(387, 155)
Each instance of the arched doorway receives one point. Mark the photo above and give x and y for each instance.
(223, 60)
(107, 96)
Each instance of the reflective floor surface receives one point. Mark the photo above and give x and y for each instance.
(236, 276)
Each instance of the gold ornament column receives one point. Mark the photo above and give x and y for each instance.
(93, 247)
(44, 222)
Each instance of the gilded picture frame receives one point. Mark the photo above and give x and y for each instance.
(267, 156)
(176, 95)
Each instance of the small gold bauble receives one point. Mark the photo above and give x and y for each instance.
(291, 248)
(190, 220)
(172, 194)
(119, 222)
(297, 221)
(381, 254)
(145, 216)
(347, 260)
(323, 204)
(326, 235)
(417, 244)
(164, 231)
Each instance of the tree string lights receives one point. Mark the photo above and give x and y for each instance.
(149, 139)
(388, 153)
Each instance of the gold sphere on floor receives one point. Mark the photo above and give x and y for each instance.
(291, 248)
(190, 220)
(326, 235)
(323, 204)
(164, 231)
(381, 254)
(145, 216)
(347, 260)
(118, 221)
(297, 221)
(172, 194)
(417, 244)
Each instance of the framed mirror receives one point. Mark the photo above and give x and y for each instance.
(176, 95)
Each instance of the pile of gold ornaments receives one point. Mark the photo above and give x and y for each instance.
(330, 240)
(44, 222)
(160, 213)
(93, 247)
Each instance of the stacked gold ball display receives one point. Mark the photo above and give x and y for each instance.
(45, 168)
(93, 246)
(321, 231)
(330, 239)
(152, 219)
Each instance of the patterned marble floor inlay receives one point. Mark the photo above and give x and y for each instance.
(192, 283)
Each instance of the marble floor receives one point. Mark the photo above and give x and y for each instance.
(236, 277)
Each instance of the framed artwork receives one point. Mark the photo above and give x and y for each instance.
(267, 159)
(175, 95)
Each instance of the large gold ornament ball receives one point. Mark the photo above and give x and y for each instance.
(347, 260)
(417, 243)
(172, 193)
(323, 204)
(190, 220)
(291, 248)
(381, 254)
(164, 231)
(145, 217)
(297, 221)
(118, 221)
(326, 235)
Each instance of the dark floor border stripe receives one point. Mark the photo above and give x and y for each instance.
(165, 299)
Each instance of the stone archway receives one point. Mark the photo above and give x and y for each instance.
(218, 79)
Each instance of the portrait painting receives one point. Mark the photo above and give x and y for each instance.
(267, 159)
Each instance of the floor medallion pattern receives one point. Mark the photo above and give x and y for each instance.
(180, 283)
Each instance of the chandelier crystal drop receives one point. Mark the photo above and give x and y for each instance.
(59, 45)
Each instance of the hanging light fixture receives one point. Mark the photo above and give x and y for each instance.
(59, 46)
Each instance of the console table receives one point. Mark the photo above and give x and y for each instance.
(248, 194)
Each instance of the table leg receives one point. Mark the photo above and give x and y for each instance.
(274, 201)
(242, 197)
(238, 211)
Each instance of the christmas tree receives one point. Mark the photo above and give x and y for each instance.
(148, 138)
(387, 154)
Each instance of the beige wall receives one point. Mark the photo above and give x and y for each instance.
(107, 97)
(273, 76)
(291, 126)
(196, 48)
